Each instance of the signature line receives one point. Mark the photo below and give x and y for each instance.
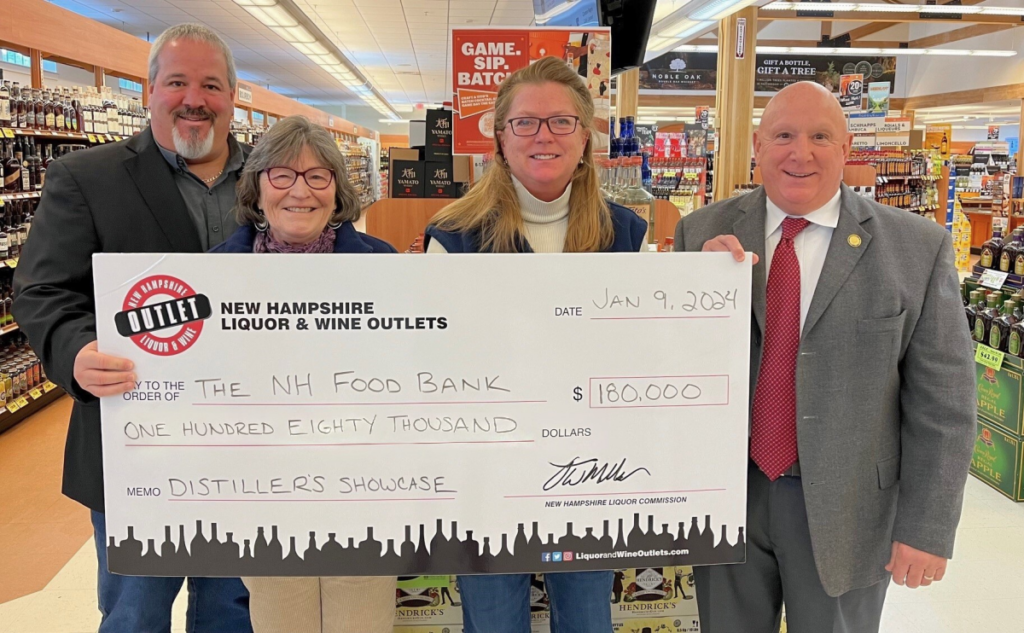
(615, 494)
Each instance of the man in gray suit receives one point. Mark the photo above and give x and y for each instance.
(862, 378)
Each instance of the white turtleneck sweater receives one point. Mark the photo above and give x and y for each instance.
(546, 223)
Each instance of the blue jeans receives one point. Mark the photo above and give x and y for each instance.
(135, 604)
(500, 603)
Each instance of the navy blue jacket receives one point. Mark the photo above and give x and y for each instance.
(630, 233)
(347, 240)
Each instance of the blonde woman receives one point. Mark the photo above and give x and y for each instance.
(541, 195)
(294, 197)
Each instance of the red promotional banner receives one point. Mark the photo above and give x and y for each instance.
(483, 58)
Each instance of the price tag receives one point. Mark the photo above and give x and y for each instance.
(11, 263)
(36, 394)
(12, 406)
(92, 138)
(101, 139)
(22, 402)
(991, 358)
(993, 279)
(48, 387)
(8, 132)
(110, 138)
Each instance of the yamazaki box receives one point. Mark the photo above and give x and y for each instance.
(438, 136)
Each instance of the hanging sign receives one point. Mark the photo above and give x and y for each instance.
(483, 58)
(878, 97)
(741, 37)
(938, 138)
(993, 132)
(245, 93)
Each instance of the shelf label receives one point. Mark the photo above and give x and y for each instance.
(993, 279)
(11, 263)
(101, 139)
(12, 406)
(22, 402)
(9, 133)
(36, 394)
(991, 358)
(92, 138)
(48, 387)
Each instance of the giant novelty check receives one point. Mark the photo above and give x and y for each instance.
(392, 415)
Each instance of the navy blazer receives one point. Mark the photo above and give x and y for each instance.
(346, 240)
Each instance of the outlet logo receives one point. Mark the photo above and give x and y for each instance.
(163, 315)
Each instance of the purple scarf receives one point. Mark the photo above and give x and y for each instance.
(265, 243)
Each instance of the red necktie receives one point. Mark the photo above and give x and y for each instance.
(773, 432)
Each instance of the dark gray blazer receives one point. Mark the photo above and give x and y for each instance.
(118, 198)
(885, 382)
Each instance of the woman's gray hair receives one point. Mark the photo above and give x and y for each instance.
(195, 33)
(279, 147)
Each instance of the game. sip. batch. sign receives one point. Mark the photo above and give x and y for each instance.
(483, 58)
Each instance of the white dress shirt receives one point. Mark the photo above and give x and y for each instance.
(811, 245)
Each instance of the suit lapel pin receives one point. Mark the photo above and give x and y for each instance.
(854, 240)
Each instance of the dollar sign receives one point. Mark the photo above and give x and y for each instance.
(577, 394)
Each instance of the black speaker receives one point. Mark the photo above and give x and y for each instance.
(630, 22)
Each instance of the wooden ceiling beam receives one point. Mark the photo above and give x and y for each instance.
(964, 33)
(895, 18)
(967, 97)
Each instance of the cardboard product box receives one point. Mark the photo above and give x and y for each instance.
(439, 135)
(440, 180)
(999, 395)
(417, 133)
(998, 460)
(407, 178)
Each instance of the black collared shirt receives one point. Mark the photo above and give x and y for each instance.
(210, 206)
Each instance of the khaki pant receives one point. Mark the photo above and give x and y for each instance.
(321, 605)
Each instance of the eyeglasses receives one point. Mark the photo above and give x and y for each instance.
(318, 178)
(560, 125)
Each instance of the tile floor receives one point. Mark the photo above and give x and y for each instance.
(983, 590)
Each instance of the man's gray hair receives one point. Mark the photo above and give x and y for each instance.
(196, 33)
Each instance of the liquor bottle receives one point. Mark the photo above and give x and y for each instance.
(983, 323)
(58, 112)
(613, 141)
(1010, 250)
(645, 172)
(636, 198)
(972, 309)
(44, 164)
(5, 101)
(20, 152)
(49, 115)
(9, 169)
(36, 165)
(30, 109)
(1015, 344)
(40, 105)
(17, 107)
(999, 331)
(78, 123)
(991, 250)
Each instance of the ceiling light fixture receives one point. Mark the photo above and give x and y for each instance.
(720, 9)
(283, 18)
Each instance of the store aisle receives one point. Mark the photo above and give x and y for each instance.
(50, 584)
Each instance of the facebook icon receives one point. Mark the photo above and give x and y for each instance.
(546, 557)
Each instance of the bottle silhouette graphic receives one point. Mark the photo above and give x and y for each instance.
(740, 548)
(680, 541)
(504, 551)
(131, 548)
(620, 543)
(535, 542)
(312, 550)
(390, 559)
(471, 547)
(724, 543)
(408, 547)
(292, 564)
(487, 548)
(332, 553)
(421, 549)
(371, 548)
(650, 526)
(151, 557)
(589, 542)
(213, 548)
(520, 543)
(198, 545)
(167, 550)
(182, 550)
(261, 549)
(605, 542)
(246, 551)
(636, 535)
(229, 548)
(275, 551)
(438, 542)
